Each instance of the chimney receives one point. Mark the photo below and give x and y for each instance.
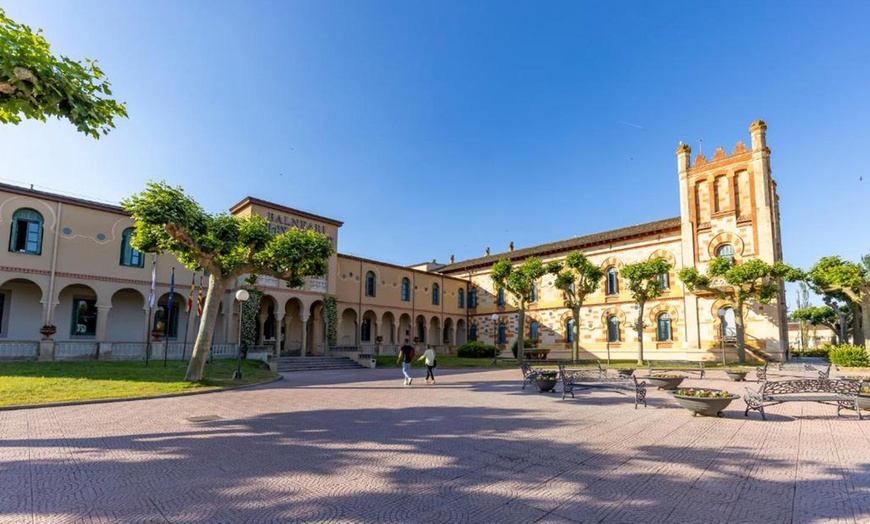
(451, 259)
(487, 251)
(511, 246)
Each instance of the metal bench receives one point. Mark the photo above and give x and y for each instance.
(599, 378)
(840, 393)
(676, 365)
(822, 370)
(529, 374)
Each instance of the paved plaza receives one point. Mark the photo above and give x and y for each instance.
(357, 446)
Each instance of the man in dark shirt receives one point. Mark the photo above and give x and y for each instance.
(406, 354)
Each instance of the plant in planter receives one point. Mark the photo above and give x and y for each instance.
(736, 374)
(47, 330)
(864, 398)
(665, 380)
(546, 380)
(707, 402)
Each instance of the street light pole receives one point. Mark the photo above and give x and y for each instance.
(242, 296)
(494, 318)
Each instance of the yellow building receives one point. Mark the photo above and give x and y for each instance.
(69, 264)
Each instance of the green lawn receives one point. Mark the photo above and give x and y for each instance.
(44, 382)
(456, 362)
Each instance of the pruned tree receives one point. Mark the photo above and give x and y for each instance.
(740, 284)
(226, 246)
(577, 278)
(644, 283)
(35, 84)
(819, 316)
(519, 282)
(835, 275)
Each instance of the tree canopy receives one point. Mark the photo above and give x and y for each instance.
(843, 279)
(577, 278)
(644, 282)
(226, 246)
(519, 282)
(35, 84)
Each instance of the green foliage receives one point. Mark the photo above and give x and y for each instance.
(848, 355)
(527, 343)
(475, 349)
(35, 84)
(576, 277)
(815, 315)
(250, 318)
(518, 281)
(834, 274)
(753, 280)
(643, 279)
(330, 308)
(821, 352)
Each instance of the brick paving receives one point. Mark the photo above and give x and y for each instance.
(358, 446)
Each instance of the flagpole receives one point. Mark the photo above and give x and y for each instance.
(169, 317)
(150, 308)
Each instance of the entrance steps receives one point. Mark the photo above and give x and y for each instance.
(290, 364)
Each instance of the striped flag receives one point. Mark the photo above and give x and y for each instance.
(199, 300)
(152, 297)
(190, 296)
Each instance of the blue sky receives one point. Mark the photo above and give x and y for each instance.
(442, 128)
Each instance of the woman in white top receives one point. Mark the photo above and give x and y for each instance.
(429, 355)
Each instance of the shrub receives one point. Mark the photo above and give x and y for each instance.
(527, 343)
(848, 355)
(476, 349)
(823, 352)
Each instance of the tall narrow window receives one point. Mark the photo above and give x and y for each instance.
(2, 306)
(365, 334)
(84, 317)
(500, 298)
(502, 333)
(569, 330)
(472, 298)
(726, 251)
(664, 280)
(406, 290)
(612, 281)
(663, 331)
(129, 256)
(612, 329)
(534, 294)
(436, 295)
(26, 234)
(533, 330)
(461, 299)
(370, 284)
(472, 332)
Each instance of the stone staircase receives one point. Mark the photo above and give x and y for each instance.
(290, 364)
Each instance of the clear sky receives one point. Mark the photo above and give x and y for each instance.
(439, 128)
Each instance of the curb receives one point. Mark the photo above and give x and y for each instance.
(132, 399)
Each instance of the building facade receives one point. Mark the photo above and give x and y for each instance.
(69, 264)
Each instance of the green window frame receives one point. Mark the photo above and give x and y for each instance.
(26, 233)
(129, 256)
(84, 317)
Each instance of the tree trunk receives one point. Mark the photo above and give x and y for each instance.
(202, 345)
(741, 333)
(857, 335)
(639, 327)
(522, 333)
(575, 346)
(865, 318)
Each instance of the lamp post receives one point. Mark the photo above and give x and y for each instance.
(494, 318)
(242, 296)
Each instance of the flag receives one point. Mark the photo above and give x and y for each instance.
(199, 300)
(171, 291)
(152, 297)
(190, 296)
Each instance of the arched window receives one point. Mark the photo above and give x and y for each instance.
(436, 295)
(664, 280)
(129, 256)
(534, 294)
(406, 290)
(26, 234)
(461, 300)
(500, 299)
(370, 284)
(728, 328)
(612, 329)
(612, 281)
(502, 333)
(569, 330)
(472, 332)
(472, 298)
(365, 334)
(533, 330)
(726, 251)
(663, 331)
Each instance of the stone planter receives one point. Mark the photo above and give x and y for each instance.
(736, 376)
(624, 373)
(157, 335)
(706, 406)
(864, 401)
(665, 382)
(47, 332)
(545, 384)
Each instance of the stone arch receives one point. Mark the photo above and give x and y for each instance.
(420, 329)
(295, 314)
(368, 327)
(726, 238)
(447, 338)
(347, 328)
(434, 337)
(23, 321)
(76, 312)
(126, 323)
(387, 328)
(610, 262)
(406, 329)
(268, 331)
(673, 313)
(315, 336)
(461, 332)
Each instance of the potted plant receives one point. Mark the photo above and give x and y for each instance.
(707, 402)
(665, 380)
(736, 374)
(863, 392)
(546, 380)
(47, 330)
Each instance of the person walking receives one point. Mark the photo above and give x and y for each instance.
(406, 355)
(429, 356)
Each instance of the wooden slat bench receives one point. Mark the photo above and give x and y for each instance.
(792, 368)
(840, 393)
(599, 378)
(687, 366)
